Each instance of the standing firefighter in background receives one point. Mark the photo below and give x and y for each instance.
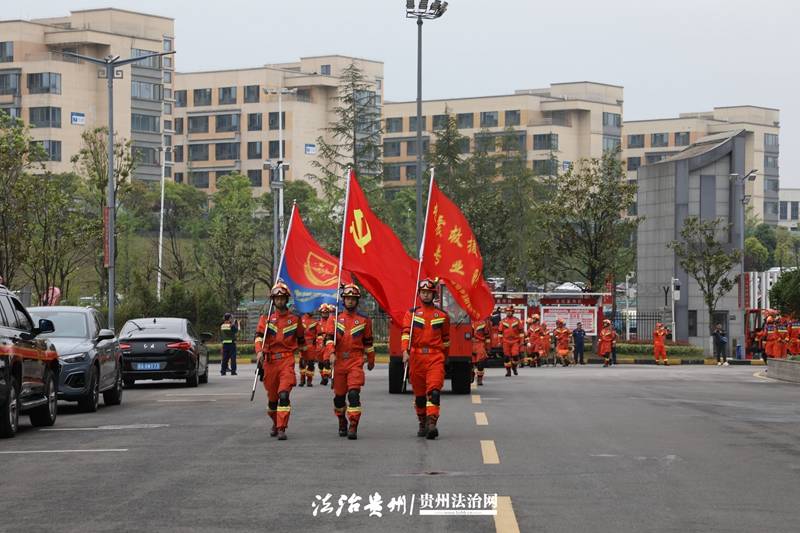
(307, 363)
(481, 330)
(511, 330)
(606, 341)
(324, 326)
(426, 344)
(563, 337)
(794, 337)
(227, 334)
(782, 347)
(659, 339)
(278, 337)
(353, 347)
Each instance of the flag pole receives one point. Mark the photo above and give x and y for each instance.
(419, 273)
(341, 260)
(275, 277)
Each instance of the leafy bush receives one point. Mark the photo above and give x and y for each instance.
(647, 349)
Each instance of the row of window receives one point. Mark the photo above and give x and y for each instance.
(680, 138)
(483, 143)
(145, 123)
(230, 122)
(790, 211)
(612, 119)
(228, 151)
(6, 51)
(488, 119)
(201, 178)
(38, 83)
(143, 90)
(391, 171)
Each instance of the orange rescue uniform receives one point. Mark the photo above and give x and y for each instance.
(794, 337)
(606, 341)
(354, 347)
(659, 347)
(429, 346)
(563, 337)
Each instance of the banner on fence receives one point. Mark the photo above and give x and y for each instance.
(586, 315)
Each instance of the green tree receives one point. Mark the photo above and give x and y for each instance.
(185, 217)
(756, 255)
(785, 293)
(707, 260)
(786, 246)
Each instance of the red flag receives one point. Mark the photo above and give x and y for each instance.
(452, 254)
(376, 256)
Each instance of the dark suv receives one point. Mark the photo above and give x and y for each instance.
(91, 361)
(28, 367)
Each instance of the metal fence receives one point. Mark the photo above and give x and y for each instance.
(641, 323)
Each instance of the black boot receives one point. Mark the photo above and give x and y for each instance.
(515, 370)
(423, 429)
(508, 371)
(352, 430)
(342, 426)
(433, 432)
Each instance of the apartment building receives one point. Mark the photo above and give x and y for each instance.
(650, 141)
(566, 121)
(61, 97)
(227, 121)
(789, 210)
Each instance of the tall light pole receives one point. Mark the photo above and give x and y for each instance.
(675, 289)
(164, 151)
(109, 73)
(741, 182)
(628, 277)
(421, 11)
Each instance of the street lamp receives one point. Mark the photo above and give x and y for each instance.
(675, 288)
(421, 11)
(628, 278)
(744, 199)
(109, 73)
(164, 151)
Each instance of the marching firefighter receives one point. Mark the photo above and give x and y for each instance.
(770, 336)
(531, 341)
(425, 345)
(307, 363)
(278, 338)
(353, 347)
(782, 346)
(544, 343)
(659, 347)
(511, 330)
(563, 337)
(606, 341)
(794, 337)
(480, 342)
(324, 326)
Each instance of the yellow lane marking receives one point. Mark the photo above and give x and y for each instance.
(489, 452)
(505, 521)
(481, 420)
(476, 398)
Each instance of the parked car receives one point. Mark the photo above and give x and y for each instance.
(163, 348)
(91, 361)
(28, 367)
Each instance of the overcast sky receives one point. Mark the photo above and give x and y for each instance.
(671, 57)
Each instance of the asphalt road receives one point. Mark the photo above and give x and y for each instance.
(631, 448)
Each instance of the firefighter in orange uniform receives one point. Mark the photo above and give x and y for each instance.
(511, 330)
(278, 338)
(563, 337)
(770, 336)
(606, 341)
(534, 341)
(480, 341)
(782, 346)
(426, 345)
(324, 326)
(659, 347)
(353, 347)
(544, 343)
(794, 337)
(310, 333)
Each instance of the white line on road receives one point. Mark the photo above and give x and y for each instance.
(489, 452)
(197, 394)
(188, 400)
(110, 428)
(505, 521)
(480, 419)
(764, 377)
(101, 450)
(476, 398)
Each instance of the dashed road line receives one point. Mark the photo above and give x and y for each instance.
(489, 451)
(476, 398)
(201, 400)
(101, 450)
(200, 394)
(110, 428)
(480, 419)
(505, 521)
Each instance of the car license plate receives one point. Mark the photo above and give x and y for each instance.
(148, 366)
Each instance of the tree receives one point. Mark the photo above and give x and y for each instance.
(756, 255)
(19, 155)
(785, 293)
(185, 210)
(707, 260)
(585, 222)
(786, 247)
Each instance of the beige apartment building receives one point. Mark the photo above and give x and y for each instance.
(790, 209)
(227, 121)
(650, 141)
(567, 121)
(61, 97)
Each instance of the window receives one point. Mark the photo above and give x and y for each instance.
(391, 148)
(771, 185)
(198, 152)
(167, 77)
(303, 95)
(254, 122)
(199, 179)
(202, 97)
(325, 70)
(178, 177)
(770, 140)
(52, 150)
(439, 122)
(145, 156)
(148, 123)
(411, 147)
(545, 167)
(412, 123)
(659, 139)
(610, 143)
(636, 141)
(6, 52)
(488, 119)
(254, 150)
(167, 44)
(771, 208)
(545, 141)
(226, 123)
(692, 322)
(151, 62)
(167, 169)
(513, 142)
(168, 125)
(391, 172)
(9, 83)
(167, 108)
(612, 119)
(167, 60)
(44, 83)
(167, 140)
(485, 143)
(23, 320)
(227, 95)
(180, 98)
(795, 210)
(465, 120)
(681, 138)
(251, 94)
(654, 158)
(198, 124)
(463, 145)
(770, 161)
(512, 118)
(411, 172)
(634, 163)
(394, 125)
(273, 120)
(226, 151)
(784, 211)
(255, 177)
(13, 112)
(142, 90)
(274, 149)
(45, 117)
(178, 153)
(179, 125)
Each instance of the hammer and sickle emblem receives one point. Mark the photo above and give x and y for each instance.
(360, 231)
